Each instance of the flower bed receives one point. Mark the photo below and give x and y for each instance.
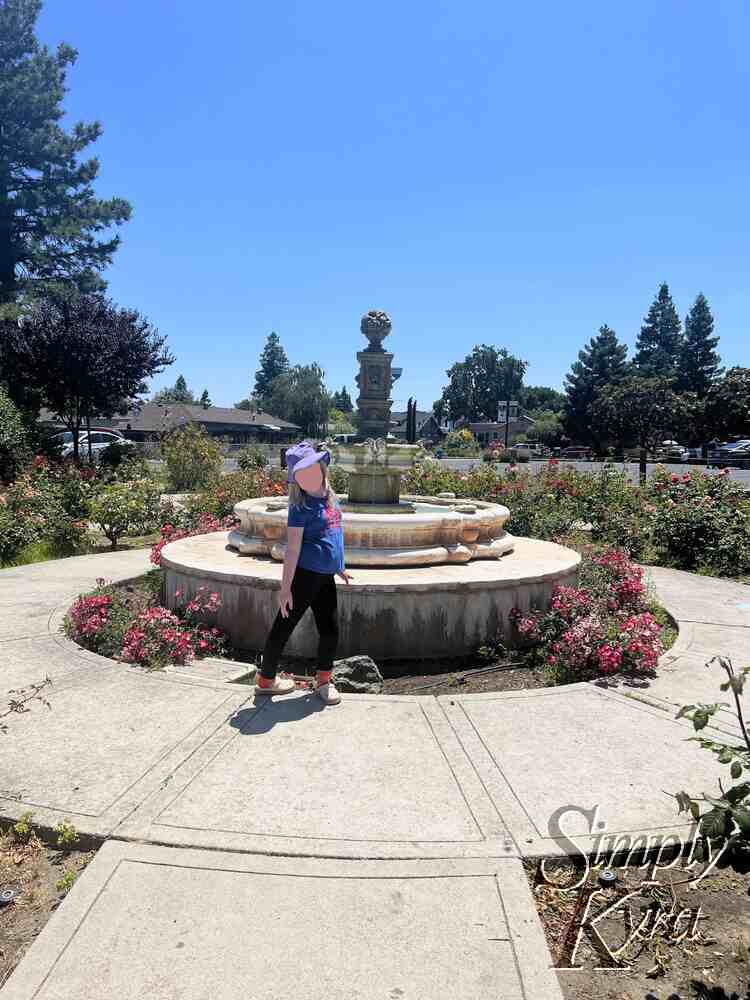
(130, 624)
(606, 625)
(696, 521)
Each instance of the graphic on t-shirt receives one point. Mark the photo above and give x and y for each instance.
(323, 537)
(333, 517)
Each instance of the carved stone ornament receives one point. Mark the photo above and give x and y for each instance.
(375, 325)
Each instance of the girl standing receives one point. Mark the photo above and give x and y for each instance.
(314, 558)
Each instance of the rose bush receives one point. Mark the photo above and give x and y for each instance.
(605, 625)
(700, 521)
(126, 508)
(132, 627)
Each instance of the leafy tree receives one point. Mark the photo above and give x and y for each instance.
(193, 458)
(343, 401)
(300, 396)
(726, 409)
(479, 383)
(273, 362)
(85, 356)
(177, 393)
(658, 350)
(205, 400)
(644, 411)
(249, 403)
(547, 428)
(440, 410)
(699, 362)
(601, 363)
(50, 218)
(15, 439)
(541, 397)
(339, 422)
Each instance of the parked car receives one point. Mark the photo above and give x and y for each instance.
(735, 454)
(527, 449)
(101, 438)
(673, 453)
(576, 451)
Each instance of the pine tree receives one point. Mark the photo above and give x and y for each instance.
(273, 362)
(699, 362)
(205, 400)
(177, 393)
(600, 364)
(50, 217)
(658, 350)
(343, 401)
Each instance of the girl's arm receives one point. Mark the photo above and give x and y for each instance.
(293, 547)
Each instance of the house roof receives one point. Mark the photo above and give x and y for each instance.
(400, 416)
(156, 416)
(489, 425)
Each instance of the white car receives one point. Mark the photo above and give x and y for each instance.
(100, 439)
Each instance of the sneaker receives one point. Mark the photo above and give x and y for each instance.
(328, 693)
(282, 684)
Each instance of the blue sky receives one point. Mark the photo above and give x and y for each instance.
(483, 172)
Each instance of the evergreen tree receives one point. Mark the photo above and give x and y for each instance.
(273, 362)
(177, 393)
(343, 401)
(600, 364)
(205, 400)
(658, 350)
(699, 362)
(50, 217)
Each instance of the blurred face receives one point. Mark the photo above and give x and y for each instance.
(310, 479)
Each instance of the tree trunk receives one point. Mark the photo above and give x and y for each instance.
(642, 467)
(507, 421)
(88, 432)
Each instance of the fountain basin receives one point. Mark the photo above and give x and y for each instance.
(418, 531)
(393, 613)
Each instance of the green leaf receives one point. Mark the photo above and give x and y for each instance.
(742, 819)
(700, 718)
(738, 793)
(713, 823)
(684, 710)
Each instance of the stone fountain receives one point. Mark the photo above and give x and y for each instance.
(434, 576)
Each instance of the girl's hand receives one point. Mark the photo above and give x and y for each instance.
(285, 602)
(345, 576)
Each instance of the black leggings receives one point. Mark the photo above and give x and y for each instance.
(309, 590)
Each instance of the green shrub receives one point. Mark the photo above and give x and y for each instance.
(15, 440)
(50, 503)
(700, 521)
(126, 509)
(15, 533)
(251, 457)
(236, 486)
(338, 479)
(193, 459)
(461, 443)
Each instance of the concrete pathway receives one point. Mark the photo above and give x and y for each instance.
(236, 830)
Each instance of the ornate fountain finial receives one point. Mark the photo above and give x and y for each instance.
(375, 325)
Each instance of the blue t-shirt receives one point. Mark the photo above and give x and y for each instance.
(323, 539)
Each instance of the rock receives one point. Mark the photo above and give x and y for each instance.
(357, 675)
(447, 495)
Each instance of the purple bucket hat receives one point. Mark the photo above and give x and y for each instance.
(303, 455)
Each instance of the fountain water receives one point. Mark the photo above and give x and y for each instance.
(435, 575)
